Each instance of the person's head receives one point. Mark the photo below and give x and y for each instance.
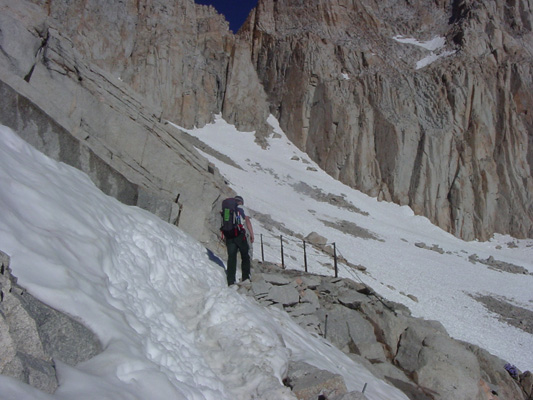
(239, 200)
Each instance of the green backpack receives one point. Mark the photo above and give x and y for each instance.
(230, 227)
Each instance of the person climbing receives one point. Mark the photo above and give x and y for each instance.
(234, 220)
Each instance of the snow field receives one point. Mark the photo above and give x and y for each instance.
(444, 284)
(169, 326)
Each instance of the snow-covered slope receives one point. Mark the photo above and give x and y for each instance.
(170, 327)
(381, 237)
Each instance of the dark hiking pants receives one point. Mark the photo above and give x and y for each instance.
(234, 245)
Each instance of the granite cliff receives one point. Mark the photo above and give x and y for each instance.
(450, 138)
(62, 89)
(420, 103)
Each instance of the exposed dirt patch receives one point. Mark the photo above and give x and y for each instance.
(500, 265)
(351, 228)
(209, 150)
(270, 223)
(518, 317)
(318, 195)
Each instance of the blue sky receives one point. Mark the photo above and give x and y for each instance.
(235, 11)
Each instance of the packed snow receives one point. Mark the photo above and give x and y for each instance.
(169, 325)
(171, 328)
(434, 45)
(432, 57)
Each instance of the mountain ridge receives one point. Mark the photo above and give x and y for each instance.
(451, 139)
(436, 138)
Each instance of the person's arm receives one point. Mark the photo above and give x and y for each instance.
(249, 227)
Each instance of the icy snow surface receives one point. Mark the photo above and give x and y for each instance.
(433, 44)
(170, 327)
(437, 43)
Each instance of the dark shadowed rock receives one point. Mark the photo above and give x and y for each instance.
(33, 336)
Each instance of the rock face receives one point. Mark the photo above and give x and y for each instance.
(178, 55)
(415, 355)
(444, 128)
(61, 102)
(452, 139)
(308, 382)
(33, 336)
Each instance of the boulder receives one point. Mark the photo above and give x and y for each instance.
(494, 373)
(411, 342)
(311, 281)
(389, 323)
(34, 335)
(260, 288)
(415, 355)
(350, 396)
(349, 331)
(352, 299)
(301, 309)
(444, 365)
(23, 355)
(316, 239)
(309, 296)
(448, 369)
(276, 279)
(308, 382)
(286, 295)
(526, 381)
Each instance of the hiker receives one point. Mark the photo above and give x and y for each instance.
(235, 225)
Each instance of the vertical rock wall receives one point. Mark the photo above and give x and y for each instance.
(179, 55)
(174, 54)
(450, 139)
(78, 113)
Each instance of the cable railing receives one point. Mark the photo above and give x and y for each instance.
(284, 249)
(319, 251)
